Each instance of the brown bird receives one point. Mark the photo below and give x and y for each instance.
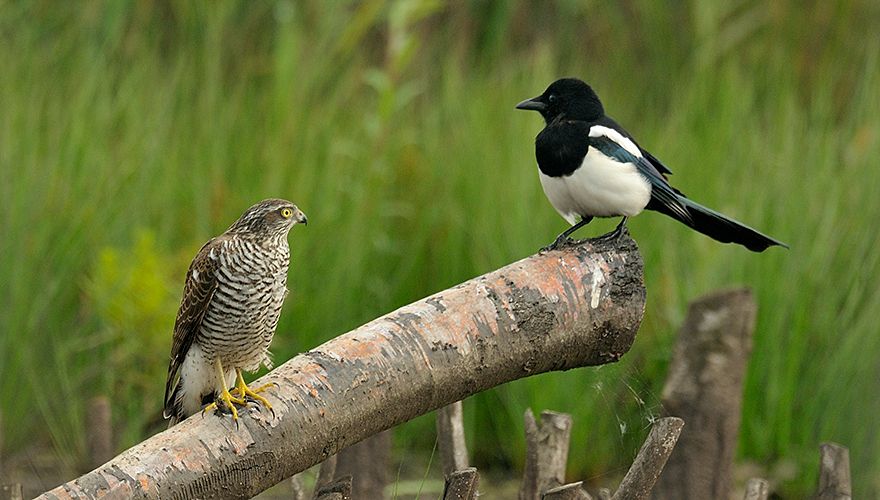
(232, 299)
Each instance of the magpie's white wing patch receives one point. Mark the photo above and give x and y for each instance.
(620, 139)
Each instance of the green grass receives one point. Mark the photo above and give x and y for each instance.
(130, 133)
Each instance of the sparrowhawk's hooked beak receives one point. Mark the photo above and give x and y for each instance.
(300, 217)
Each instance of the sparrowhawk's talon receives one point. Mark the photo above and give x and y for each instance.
(226, 397)
(247, 394)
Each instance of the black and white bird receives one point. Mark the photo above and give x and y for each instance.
(232, 299)
(591, 167)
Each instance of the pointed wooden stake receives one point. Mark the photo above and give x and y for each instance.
(571, 491)
(462, 485)
(546, 453)
(834, 479)
(757, 489)
(640, 479)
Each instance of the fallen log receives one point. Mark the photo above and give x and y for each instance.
(558, 310)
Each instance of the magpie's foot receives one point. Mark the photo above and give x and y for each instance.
(613, 235)
(610, 236)
(560, 242)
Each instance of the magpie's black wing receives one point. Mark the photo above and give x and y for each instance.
(665, 199)
(654, 161)
(613, 144)
(610, 123)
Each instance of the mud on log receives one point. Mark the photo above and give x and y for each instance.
(579, 306)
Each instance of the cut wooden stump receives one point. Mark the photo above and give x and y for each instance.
(462, 484)
(704, 387)
(11, 492)
(99, 431)
(297, 489)
(571, 491)
(326, 473)
(546, 453)
(341, 489)
(757, 489)
(834, 478)
(367, 463)
(558, 310)
(641, 476)
(450, 438)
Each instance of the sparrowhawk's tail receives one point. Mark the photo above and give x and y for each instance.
(195, 387)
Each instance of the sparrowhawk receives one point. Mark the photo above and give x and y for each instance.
(232, 299)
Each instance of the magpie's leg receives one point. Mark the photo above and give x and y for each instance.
(563, 239)
(621, 226)
(618, 231)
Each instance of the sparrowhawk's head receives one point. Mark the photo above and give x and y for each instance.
(269, 218)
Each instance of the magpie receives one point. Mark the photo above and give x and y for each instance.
(591, 167)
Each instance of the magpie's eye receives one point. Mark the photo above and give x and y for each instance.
(551, 98)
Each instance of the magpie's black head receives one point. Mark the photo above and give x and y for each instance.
(568, 97)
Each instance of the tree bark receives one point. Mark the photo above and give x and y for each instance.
(834, 478)
(367, 463)
(461, 484)
(326, 473)
(580, 306)
(571, 491)
(297, 489)
(643, 473)
(11, 491)
(99, 431)
(450, 438)
(757, 489)
(546, 453)
(341, 489)
(704, 388)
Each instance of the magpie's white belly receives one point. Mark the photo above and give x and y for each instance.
(601, 187)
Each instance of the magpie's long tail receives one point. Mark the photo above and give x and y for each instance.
(715, 225)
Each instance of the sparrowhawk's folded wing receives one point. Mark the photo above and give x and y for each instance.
(201, 283)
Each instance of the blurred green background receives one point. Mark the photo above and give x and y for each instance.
(131, 132)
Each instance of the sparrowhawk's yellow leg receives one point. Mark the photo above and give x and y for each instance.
(228, 400)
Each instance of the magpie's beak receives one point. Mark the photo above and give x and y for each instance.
(534, 104)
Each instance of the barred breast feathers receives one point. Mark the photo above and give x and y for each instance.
(243, 316)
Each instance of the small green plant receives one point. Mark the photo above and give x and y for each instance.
(132, 295)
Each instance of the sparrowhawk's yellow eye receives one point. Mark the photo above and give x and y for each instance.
(286, 213)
